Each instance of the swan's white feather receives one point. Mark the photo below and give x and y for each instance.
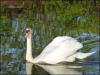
(62, 41)
(81, 55)
(78, 55)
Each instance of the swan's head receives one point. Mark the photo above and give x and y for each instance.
(28, 33)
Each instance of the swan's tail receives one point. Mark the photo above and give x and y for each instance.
(78, 55)
(81, 55)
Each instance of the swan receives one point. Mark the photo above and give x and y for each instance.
(61, 49)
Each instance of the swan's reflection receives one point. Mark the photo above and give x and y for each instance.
(53, 69)
(29, 68)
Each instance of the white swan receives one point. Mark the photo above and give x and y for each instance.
(62, 48)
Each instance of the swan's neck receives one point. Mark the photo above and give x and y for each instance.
(29, 49)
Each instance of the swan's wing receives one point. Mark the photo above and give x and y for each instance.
(58, 50)
(54, 44)
(57, 42)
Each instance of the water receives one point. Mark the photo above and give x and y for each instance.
(13, 59)
(13, 48)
